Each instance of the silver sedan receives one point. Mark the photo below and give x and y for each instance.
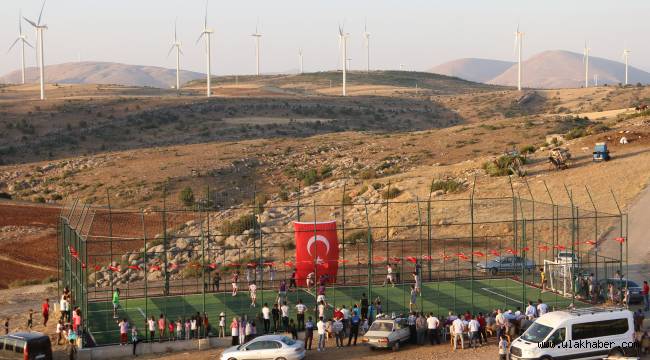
(267, 347)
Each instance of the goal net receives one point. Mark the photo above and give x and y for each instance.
(559, 277)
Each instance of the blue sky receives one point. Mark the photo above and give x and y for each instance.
(416, 33)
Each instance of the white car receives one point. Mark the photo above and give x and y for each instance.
(267, 347)
(387, 333)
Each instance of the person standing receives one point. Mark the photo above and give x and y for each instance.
(503, 348)
(309, 333)
(542, 277)
(421, 328)
(64, 305)
(179, 329)
(222, 324)
(355, 321)
(500, 322)
(275, 313)
(457, 328)
(474, 328)
(414, 299)
(364, 306)
(541, 307)
(284, 309)
(235, 280)
(134, 338)
(161, 327)
(483, 329)
(271, 275)
(389, 276)
(124, 330)
(320, 325)
(193, 327)
(59, 332)
(152, 328)
(646, 296)
(216, 281)
(337, 328)
(531, 310)
(282, 293)
(432, 326)
(300, 314)
(252, 290)
(292, 281)
(266, 318)
(234, 332)
(292, 330)
(116, 302)
(412, 329)
(45, 311)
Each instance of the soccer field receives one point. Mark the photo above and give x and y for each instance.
(437, 297)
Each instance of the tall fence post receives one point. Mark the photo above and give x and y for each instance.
(429, 231)
(574, 278)
(369, 243)
(553, 219)
(620, 214)
(471, 212)
(144, 265)
(343, 201)
(596, 235)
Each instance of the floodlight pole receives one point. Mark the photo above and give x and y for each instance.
(620, 213)
(144, 266)
(514, 213)
(471, 212)
(574, 278)
(369, 244)
(533, 221)
(553, 222)
(345, 184)
(417, 199)
(429, 229)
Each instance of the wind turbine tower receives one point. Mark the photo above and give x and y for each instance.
(343, 38)
(300, 59)
(39, 39)
(23, 39)
(366, 38)
(257, 37)
(626, 55)
(586, 61)
(177, 45)
(519, 38)
(207, 32)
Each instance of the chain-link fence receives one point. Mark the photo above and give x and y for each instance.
(468, 254)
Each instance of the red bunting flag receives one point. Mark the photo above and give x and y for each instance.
(173, 266)
(462, 256)
(343, 261)
(134, 267)
(426, 257)
(495, 253)
(251, 264)
(620, 240)
(269, 263)
(83, 265)
(114, 268)
(212, 266)
(395, 260)
(511, 251)
(97, 267)
(525, 248)
(411, 259)
(288, 264)
(445, 257)
(543, 247)
(379, 258)
(590, 242)
(155, 268)
(73, 252)
(559, 247)
(478, 253)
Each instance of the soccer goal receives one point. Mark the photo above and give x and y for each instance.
(559, 276)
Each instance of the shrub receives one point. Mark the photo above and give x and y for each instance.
(528, 149)
(357, 236)
(236, 227)
(193, 269)
(391, 193)
(503, 165)
(447, 185)
(187, 196)
(368, 174)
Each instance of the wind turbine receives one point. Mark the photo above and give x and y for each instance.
(39, 39)
(257, 37)
(207, 32)
(366, 38)
(177, 44)
(23, 39)
(343, 39)
(519, 38)
(626, 55)
(585, 59)
(300, 59)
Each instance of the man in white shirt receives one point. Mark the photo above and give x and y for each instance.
(300, 314)
(541, 307)
(474, 332)
(432, 326)
(266, 317)
(320, 325)
(457, 329)
(389, 276)
(284, 310)
(346, 319)
(500, 321)
(531, 311)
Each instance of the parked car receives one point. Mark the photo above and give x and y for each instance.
(636, 295)
(387, 333)
(567, 257)
(505, 264)
(273, 347)
(27, 346)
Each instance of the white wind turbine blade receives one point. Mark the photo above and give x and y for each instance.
(27, 43)
(205, 22)
(170, 50)
(30, 22)
(14, 44)
(20, 23)
(40, 15)
(175, 34)
(200, 37)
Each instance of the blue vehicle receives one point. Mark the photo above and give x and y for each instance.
(601, 153)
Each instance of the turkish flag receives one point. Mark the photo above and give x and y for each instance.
(317, 250)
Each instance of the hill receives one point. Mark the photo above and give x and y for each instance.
(473, 69)
(91, 72)
(565, 69)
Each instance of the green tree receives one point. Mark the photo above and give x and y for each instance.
(187, 196)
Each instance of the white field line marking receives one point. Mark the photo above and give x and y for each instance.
(142, 313)
(503, 296)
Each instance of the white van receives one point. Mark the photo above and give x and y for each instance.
(590, 333)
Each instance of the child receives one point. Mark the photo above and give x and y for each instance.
(179, 329)
(161, 327)
(187, 329)
(171, 330)
(252, 288)
(59, 331)
(124, 330)
(193, 327)
(222, 324)
(134, 338)
(503, 348)
(30, 320)
(152, 328)
(235, 279)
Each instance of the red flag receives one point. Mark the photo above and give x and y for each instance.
(134, 267)
(269, 263)
(590, 242)
(288, 264)
(445, 257)
(212, 266)
(478, 253)
(559, 247)
(155, 267)
(251, 265)
(97, 267)
(173, 266)
(114, 268)
(379, 258)
(495, 253)
(543, 247)
(462, 256)
(511, 251)
(343, 261)
(426, 257)
(525, 248)
(316, 243)
(411, 259)
(620, 240)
